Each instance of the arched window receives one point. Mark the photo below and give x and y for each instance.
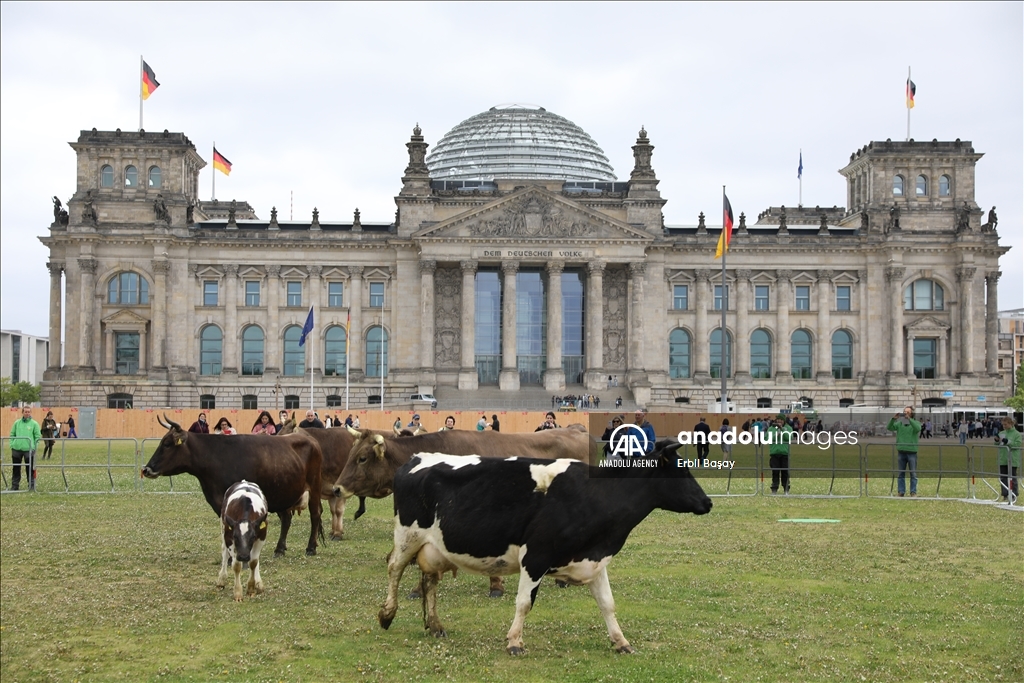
(207, 402)
(334, 401)
(131, 177)
(252, 351)
(897, 186)
(764, 402)
(250, 402)
(842, 355)
(122, 401)
(377, 352)
(335, 359)
(154, 177)
(128, 289)
(294, 355)
(845, 402)
(107, 176)
(922, 186)
(291, 402)
(801, 356)
(679, 354)
(944, 186)
(716, 353)
(923, 295)
(211, 344)
(760, 354)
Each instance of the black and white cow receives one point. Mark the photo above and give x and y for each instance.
(562, 518)
(244, 518)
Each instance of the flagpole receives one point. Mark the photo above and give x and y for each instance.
(348, 333)
(213, 192)
(382, 346)
(725, 306)
(312, 358)
(800, 200)
(908, 103)
(142, 75)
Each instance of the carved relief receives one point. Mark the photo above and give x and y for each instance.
(615, 319)
(448, 318)
(530, 216)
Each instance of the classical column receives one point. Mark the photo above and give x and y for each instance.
(158, 324)
(943, 366)
(702, 339)
(824, 361)
(637, 271)
(108, 356)
(992, 323)
(894, 279)
(864, 341)
(554, 376)
(965, 277)
(508, 379)
(55, 268)
(741, 343)
(355, 308)
(72, 316)
(143, 356)
(468, 378)
(273, 360)
(87, 314)
(594, 335)
(427, 268)
(314, 301)
(783, 359)
(910, 353)
(230, 357)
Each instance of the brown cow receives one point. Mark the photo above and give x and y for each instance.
(285, 468)
(375, 458)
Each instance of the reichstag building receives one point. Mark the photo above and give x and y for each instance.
(516, 257)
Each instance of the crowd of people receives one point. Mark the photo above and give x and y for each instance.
(580, 402)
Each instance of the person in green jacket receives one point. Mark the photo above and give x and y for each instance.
(780, 435)
(908, 430)
(1009, 441)
(25, 435)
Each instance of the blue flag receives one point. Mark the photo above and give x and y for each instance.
(800, 168)
(307, 328)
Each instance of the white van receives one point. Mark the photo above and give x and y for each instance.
(424, 398)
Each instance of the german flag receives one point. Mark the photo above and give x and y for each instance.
(911, 91)
(221, 163)
(726, 236)
(149, 82)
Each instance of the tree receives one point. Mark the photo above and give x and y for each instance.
(6, 392)
(1017, 400)
(26, 392)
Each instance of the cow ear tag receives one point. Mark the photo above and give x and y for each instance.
(178, 443)
(263, 525)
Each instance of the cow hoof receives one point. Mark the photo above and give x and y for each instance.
(516, 651)
(359, 514)
(626, 650)
(438, 633)
(278, 552)
(496, 594)
(336, 537)
(385, 621)
(310, 552)
(561, 584)
(414, 595)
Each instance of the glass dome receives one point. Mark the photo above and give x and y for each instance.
(518, 141)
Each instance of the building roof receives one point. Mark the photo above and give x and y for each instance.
(518, 141)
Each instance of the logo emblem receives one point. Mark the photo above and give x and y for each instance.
(630, 443)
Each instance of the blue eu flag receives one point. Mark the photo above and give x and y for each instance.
(307, 328)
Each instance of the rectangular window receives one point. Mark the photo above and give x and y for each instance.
(680, 297)
(718, 297)
(335, 290)
(924, 358)
(252, 293)
(207, 402)
(803, 298)
(376, 295)
(15, 358)
(761, 297)
(294, 294)
(210, 293)
(126, 353)
(843, 298)
(250, 402)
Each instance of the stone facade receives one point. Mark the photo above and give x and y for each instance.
(226, 292)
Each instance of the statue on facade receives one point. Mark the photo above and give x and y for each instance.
(160, 209)
(190, 214)
(232, 210)
(963, 218)
(273, 214)
(88, 210)
(60, 214)
(894, 217)
(993, 219)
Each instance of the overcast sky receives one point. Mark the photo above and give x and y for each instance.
(320, 99)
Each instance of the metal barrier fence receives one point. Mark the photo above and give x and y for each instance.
(944, 471)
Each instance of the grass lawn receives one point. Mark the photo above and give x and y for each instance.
(121, 588)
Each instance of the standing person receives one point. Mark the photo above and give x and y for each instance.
(961, 431)
(481, 424)
(264, 425)
(282, 418)
(49, 430)
(355, 422)
(908, 431)
(495, 425)
(328, 421)
(703, 449)
(415, 425)
(1009, 441)
(200, 426)
(224, 427)
(449, 424)
(548, 423)
(25, 436)
(640, 420)
(609, 444)
(780, 434)
(72, 434)
(313, 421)
(397, 426)
(723, 430)
(348, 420)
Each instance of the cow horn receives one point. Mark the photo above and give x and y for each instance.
(171, 424)
(379, 439)
(378, 446)
(160, 422)
(354, 432)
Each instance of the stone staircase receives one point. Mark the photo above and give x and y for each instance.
(527, 398)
